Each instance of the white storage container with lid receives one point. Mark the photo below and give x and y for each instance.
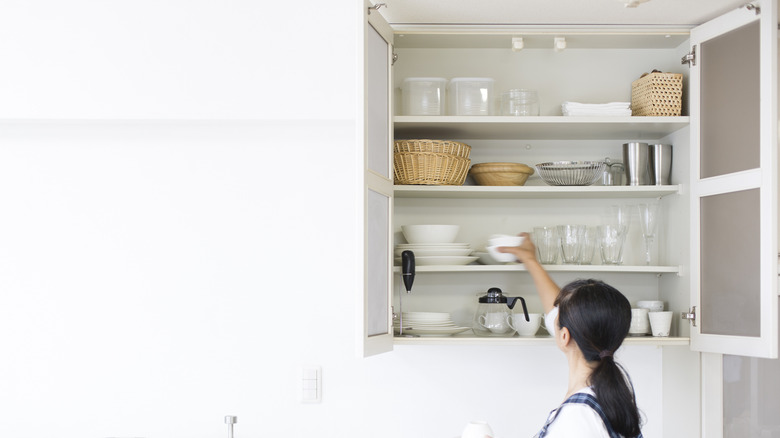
(471, 96)
(423, 96)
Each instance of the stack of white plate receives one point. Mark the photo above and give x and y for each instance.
(427, 254)
(428, 324)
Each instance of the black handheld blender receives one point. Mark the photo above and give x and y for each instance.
(407, 274)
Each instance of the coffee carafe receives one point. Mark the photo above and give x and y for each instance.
(493, 316)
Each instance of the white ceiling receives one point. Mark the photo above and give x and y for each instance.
(558, 12)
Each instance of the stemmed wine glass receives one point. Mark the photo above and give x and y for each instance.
(648, 217)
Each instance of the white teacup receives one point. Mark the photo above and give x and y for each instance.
(526, 328)
(660, 323)
(496, 322)
(477, 429)
(640, 325)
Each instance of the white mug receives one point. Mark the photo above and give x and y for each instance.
(660, 323)
(640, 325)
(523, 327)
(496, 322)
(477, 429)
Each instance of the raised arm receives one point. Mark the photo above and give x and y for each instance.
(545, 286)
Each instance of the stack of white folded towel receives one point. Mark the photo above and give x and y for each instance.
(596, 109)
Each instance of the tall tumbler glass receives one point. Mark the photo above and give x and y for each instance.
(547, 245)
(661, 164)
(571, 237)
(588, 245)
(611, 239)
(636, 159)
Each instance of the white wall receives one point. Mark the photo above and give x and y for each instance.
(158, 274)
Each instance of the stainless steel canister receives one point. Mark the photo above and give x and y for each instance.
(661, 164)
(636, 159)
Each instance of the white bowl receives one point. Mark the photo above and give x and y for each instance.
(505, 240)
(430, 233)
(502, 257)
(651, 305)
(436, 252)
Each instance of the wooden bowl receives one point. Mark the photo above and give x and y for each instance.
(500, 174)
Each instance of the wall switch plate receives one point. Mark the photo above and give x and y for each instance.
(311, 384)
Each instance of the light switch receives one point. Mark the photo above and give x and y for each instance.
(311, 384)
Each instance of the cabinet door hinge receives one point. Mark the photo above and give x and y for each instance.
(690, 58)
(753, 7)
(395, 58)
(376, 7)
(690, 316)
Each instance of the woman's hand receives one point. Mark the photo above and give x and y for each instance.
(525, 252)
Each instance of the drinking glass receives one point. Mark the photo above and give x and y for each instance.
(571, 237)
(611, 239)
(619, 216)
(648, 217)
(588, 245)
(546, 241)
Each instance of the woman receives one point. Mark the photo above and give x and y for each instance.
(589, 320)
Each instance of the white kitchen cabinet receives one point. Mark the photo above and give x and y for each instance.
(598, 66)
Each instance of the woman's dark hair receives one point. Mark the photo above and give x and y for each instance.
(598, 317)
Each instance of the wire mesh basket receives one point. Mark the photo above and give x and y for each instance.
(571, 173)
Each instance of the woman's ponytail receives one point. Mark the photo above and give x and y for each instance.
(598, 317)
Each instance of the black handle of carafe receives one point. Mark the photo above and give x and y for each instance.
(407, 269)
(511, 301)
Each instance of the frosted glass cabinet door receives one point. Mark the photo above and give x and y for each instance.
(734, 189)
(376, 315)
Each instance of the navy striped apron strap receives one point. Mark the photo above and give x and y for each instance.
(585, 399)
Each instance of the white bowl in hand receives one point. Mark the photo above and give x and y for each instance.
(505, 240)
(503, 257)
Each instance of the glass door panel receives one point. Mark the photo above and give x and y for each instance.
(378, 103)
(730, 102)
(377, 264)
(730, 301)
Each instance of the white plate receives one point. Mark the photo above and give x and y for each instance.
(427, 315)
(434, 252)
(431, 245)
(427, 324)
(436, 332)
(442, 260)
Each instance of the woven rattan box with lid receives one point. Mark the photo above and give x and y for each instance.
(431, 162)
(657, 94)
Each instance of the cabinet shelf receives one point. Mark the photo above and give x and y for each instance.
(628, 269)
(533, 192)
(530, 128)
(536, 340)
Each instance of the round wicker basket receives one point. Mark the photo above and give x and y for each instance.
(430, 168)
(436, 146)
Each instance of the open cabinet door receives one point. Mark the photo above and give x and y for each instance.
(376, 312)
(734, 234)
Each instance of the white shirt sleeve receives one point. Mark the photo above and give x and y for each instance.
(577, 420)
(549, 320)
